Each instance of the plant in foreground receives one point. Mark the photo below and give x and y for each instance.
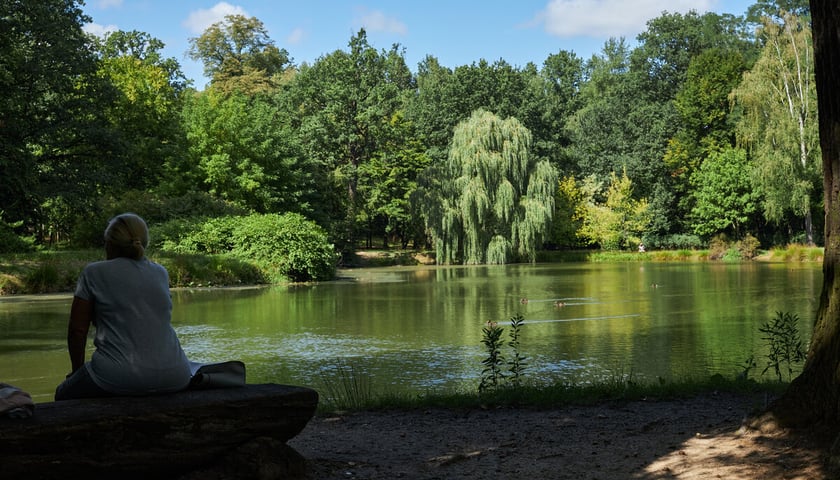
(516, 365)
(492, 375)
(349, 388)
(784, 342)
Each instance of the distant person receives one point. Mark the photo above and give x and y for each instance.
(641, 248)
(126, 298)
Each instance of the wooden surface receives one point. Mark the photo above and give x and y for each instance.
(164, 436)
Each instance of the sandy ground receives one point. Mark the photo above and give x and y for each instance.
(696, 438)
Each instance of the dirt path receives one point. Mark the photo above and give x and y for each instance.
(697, 438)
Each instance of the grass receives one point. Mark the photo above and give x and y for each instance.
(57, 270)
(618, 389)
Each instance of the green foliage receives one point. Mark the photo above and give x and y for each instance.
(569, 211)
(517, 364)
(677, 241)
(491, 201)
(798, 253)
(784, 343)
(347, 387)
(10, 242)
(725, 200)
(361, 145)
(187, 270)
(348, 112)
(296, 247)
(239, 153)
(145, 110)
(493, 375)
(284, 246)
(239, 56)
(779, 121)
(44, 277)
(164, 213)
(53, 130)
(620, 221)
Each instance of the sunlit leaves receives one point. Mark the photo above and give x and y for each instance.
(238, 55)
(494, 203)
(618, 221)
(724, 198)
(779, 125)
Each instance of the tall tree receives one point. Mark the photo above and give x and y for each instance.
(238, 55)
(493, 203)
(617, 128)
(240, 152)
(779, 124)
(53, 138)
(776, 9)
(813, 398)
(725, 200)
(620, 220)
(345, 106)
(706, 125)
(144, 47)
(672, 40)
(144, 112)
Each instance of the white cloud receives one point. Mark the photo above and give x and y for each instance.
(105, 4)
(99, 30)
(296, 36)
(610, 18)
(199, 20)
(376, 21)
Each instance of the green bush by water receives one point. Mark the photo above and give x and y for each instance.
(285, 247)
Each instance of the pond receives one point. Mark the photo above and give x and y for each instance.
(418, 329)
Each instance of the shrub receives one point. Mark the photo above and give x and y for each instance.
(10, 242)
(156, 209)
(199, 235)
(208, 270)
(718, 246)
(673, 242)
(748, 247)
(288, 245)
(294, 246)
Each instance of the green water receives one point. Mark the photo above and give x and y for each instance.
(419, 329)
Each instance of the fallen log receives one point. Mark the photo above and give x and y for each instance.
(238, 432)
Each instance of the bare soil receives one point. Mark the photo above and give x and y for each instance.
(703, 437)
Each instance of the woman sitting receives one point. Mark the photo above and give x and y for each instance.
(126, 298)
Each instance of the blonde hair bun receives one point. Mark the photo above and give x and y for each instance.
(128, 235)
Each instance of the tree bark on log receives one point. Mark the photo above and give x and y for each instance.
(814, 396)
(241, 430)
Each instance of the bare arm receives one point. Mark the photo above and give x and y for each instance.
(81, 316)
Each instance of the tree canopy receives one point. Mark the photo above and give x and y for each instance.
(355, 139)
(496, 203)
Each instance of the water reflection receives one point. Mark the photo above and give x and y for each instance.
(414, 329)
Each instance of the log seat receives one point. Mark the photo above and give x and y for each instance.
(217, 433)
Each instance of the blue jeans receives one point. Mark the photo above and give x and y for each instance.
(80, 385)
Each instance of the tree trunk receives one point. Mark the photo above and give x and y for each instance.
(814, 396)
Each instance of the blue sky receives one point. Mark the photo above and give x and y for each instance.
(457, 32)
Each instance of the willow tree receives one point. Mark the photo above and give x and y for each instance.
(491, 202)
(779, 124)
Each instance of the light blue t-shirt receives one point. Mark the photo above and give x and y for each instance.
(137, 350)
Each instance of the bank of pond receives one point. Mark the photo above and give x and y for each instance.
(53, 271)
